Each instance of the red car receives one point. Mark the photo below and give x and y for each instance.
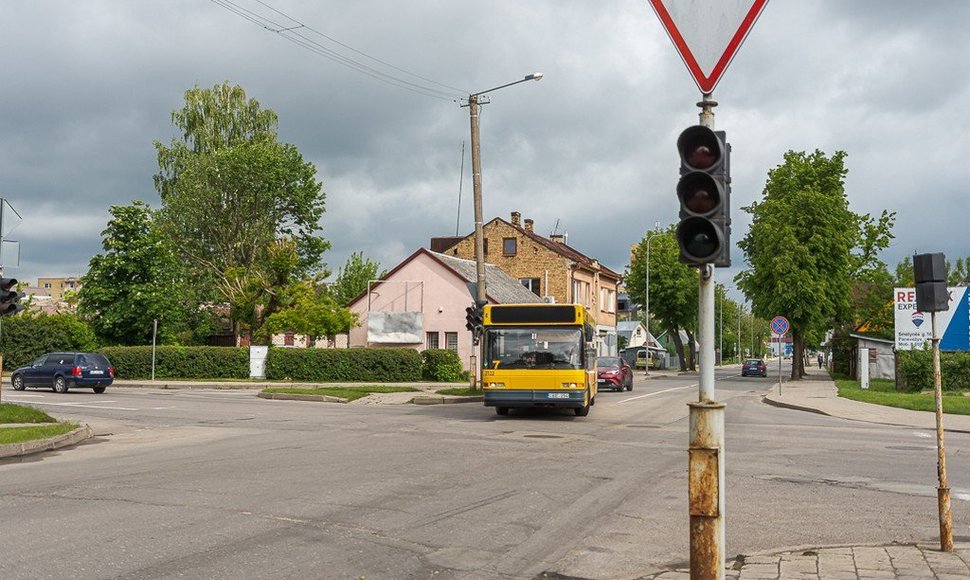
(612, 372)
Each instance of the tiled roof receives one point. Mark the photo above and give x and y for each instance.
(499, 286)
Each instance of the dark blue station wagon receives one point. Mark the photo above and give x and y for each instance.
(61, 371)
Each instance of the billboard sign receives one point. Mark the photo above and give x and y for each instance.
(914, 328)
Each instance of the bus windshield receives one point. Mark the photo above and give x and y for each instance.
(537, 347)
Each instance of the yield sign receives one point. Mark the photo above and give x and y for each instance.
(707, 33)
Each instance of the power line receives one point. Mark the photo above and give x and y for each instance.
(300, 34)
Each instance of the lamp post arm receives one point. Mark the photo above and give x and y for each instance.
(533, 77)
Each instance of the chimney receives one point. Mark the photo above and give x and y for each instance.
(528, 225)
(516, 218)
(558, 238)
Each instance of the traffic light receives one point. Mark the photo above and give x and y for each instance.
(704, 191)
(9, 297)
(474, 321)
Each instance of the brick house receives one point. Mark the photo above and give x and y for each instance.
(548, 267)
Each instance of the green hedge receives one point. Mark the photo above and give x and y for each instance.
(916, 369)
(382, 365)
(378, 365)
(179, 362)
(443, 366)
(25, 337)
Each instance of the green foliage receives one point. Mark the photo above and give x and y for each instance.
(26, 337)
(230, 191)
(311, 312)
(136, 280)
(916, 369)
(805, 247)
(352, 279)
(843, 347)
(673, 286)
(382, 365)
(442, 365)
(179, 362)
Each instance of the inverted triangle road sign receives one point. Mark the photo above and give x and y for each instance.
(707, 33)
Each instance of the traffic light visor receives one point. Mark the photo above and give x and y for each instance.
(700, 149)
(699, 239)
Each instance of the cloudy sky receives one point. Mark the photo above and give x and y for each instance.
(589, 150)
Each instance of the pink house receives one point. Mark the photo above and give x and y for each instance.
(421, 303)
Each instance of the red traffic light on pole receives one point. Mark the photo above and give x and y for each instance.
(9, 297)
(704, 231)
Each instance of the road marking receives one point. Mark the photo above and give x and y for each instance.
(78, 405)
(657, 393)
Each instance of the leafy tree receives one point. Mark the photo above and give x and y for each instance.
(904, 273)
(352, 279)
(137, 279)
(805, 247)
(959, 273)
(673, 290)
(312, 312)
(230, 190)
(872, 303)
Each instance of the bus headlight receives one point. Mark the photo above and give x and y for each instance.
(570, 386)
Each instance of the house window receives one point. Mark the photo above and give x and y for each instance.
(581, 292)
(47, 285)
(451, 341)
(531, 284)
(485, 247)
(607, 300)
(508, 246)
(431, 340)
(288, 338)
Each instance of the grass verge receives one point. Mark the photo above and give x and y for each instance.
(20, 414)
(883, 392)
(461, 392)
(349, 393)
(21, 434)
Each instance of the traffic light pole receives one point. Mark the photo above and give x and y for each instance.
(706, 446)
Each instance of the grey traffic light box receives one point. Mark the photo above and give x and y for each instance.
(929, 271)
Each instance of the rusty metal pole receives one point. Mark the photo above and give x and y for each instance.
(705, 485)
(943, 491)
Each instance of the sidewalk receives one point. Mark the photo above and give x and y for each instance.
(817, 393)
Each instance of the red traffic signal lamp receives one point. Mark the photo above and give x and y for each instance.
(9, 297)
(704, 231)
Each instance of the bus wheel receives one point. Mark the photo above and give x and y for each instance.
(502, 410)
(582, 411)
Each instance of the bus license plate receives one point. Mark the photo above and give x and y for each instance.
(558, 395)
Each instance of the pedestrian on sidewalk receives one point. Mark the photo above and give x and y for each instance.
(821, 360)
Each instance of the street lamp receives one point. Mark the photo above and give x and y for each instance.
(646, 296)
(473, 102)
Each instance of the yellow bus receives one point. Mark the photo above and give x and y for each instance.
(538, 355)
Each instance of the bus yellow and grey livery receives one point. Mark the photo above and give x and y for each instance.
(538, 355)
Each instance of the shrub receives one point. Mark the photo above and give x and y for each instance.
(179, 362)
(26, 337)
(382, 365)
(916, 368)
(442, 365)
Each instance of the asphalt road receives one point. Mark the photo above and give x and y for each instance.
(221, 484)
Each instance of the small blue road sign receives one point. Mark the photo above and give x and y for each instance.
(779, 325)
